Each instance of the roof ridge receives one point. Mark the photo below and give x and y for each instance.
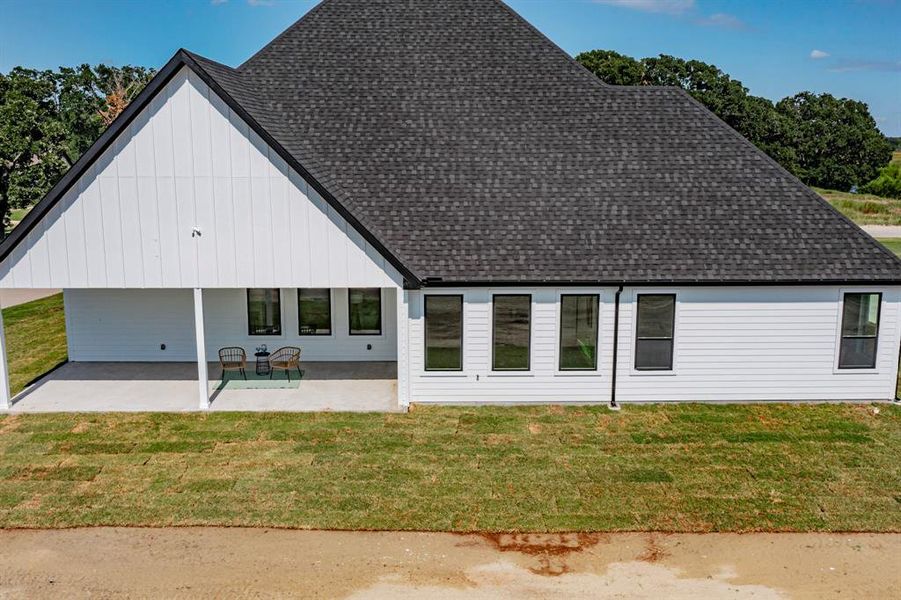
(579, 68)
(201, 58)
(289, 28)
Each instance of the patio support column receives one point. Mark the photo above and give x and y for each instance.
(4, 369)
(403, 349)
(203, 383)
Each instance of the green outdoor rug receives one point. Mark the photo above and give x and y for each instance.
(234, 381)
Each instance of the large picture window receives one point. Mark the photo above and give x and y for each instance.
(579, 332)
(264, 311)
(512, 332)
(314, 311)
(860, 331)
(365, 311)
(443, 333)
(654, 332)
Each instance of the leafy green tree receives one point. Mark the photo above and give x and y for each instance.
(32, 138)
(48, 119)
(91, 97)
(612, 67)
(837, 143)
(754, 117)
(887, 183)
(824, 141)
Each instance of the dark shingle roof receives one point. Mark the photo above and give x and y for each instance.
(477, 151)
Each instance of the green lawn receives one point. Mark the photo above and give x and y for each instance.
(36, 339)
(689, 467)
(892, 244)
(17, 214)
(866, 209)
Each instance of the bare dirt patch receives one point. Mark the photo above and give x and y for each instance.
(543, 544)
(223, 563)
(551, 549)
(654, 550)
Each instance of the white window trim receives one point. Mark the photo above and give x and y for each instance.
(633, 342)
(489, 368)
(602, 302)
(840, 307)
(461, 374)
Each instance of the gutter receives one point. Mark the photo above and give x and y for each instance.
(613, 404)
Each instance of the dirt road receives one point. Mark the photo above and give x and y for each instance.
(200, 562)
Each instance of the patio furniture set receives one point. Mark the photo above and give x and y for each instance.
(234, 358)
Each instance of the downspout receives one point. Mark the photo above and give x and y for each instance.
(619, 292)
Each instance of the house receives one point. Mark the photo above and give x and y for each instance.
(436, 183)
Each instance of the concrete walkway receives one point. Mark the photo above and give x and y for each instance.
(171, 387)
(14, 297)
(883, 231)
(261, 563)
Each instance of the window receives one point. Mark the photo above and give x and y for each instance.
(512, 332)
(654, 332)
(579, 332)
(314, 311)
(264, 311)
(443, 333)
(860, 330)
(365, 311)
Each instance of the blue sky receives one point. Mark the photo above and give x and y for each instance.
(849, 48)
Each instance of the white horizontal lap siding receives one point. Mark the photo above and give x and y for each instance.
(131, 325)
(188, 161)
(477, 383)
(731, 344)
(759, 343)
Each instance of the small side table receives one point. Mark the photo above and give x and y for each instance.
(263, 367)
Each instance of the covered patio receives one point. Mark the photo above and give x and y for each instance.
(172, 387)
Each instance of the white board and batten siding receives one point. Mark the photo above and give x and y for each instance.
(187, 161)
(133, 325)
(731, 344)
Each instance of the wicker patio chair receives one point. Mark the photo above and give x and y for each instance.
(233, 359)
(285, 359)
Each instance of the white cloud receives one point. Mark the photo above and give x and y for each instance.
(670, 7)
(818, 54)
(218, 2)
(722, 20)
(260, 2)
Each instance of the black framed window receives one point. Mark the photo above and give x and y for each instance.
(443, 333)
(860, 331)
(512, 336)
(654, 332)
(314, 311)
(264, 311)
(364, 309)
(579, 332)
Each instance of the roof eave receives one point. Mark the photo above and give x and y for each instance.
(512, 283)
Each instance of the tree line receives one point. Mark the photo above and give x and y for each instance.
(825, 141)
(49, 118)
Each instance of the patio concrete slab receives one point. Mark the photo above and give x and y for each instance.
(171, 387)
